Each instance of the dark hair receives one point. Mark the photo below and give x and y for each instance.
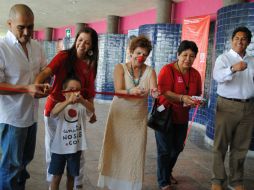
(140, 41)
(185, 45)
(92, 59)
(68, 79)
(243, 29)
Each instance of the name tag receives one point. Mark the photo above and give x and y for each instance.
(161, 108)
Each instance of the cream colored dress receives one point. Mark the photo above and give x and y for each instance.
(122, 158)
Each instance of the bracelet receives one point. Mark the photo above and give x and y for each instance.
(181, 98)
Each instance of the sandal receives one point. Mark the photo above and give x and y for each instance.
(173, 180)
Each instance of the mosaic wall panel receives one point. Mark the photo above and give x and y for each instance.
(112, 48)
(165, 40)
(50, 49)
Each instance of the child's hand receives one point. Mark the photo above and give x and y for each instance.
(74, 97)
(80, 98)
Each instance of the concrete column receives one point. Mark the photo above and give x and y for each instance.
(113, 24)
(48, 34)
(80, 26)
(164, 8)
(231, 2)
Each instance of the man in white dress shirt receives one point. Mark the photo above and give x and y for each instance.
(21, 59)
(234, 72)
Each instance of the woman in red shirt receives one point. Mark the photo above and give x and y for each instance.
(178, 82)
(80, 61)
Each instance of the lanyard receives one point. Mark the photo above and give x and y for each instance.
(185, 83)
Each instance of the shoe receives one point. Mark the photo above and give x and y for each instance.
(79, 187)
(238, 187)
(173, 180)
(216, 187)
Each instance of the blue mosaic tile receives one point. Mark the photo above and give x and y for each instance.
(165, 39)
(112, 49)
(50, 49)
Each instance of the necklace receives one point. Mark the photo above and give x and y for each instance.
(136, 83)
(185, 84)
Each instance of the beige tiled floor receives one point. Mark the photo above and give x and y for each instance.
(193, 169)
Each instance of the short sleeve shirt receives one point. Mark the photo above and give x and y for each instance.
(170, 79)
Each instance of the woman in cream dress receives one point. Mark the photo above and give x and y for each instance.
(121, 164)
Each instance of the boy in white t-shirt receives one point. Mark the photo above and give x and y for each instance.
(69, 140)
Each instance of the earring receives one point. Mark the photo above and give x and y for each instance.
(90, 52)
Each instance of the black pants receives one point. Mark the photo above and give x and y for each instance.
(169, 147)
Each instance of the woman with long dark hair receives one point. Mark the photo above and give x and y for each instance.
(81, 61)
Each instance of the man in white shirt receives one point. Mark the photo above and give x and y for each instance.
(234, 72)
(21, 59)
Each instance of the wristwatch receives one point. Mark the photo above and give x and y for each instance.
(232, 69)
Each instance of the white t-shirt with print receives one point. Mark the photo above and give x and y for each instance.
(70, 132)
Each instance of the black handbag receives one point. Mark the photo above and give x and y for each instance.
(160, 120)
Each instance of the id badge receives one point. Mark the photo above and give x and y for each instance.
(160, 108)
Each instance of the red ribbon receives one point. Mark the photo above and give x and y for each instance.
(192, 120)
(66, 91)
(14, 90)
(107, 93)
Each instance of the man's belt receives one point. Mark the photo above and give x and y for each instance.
(236, 100)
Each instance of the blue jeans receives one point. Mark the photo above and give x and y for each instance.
(18, 146)
(169, 147)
